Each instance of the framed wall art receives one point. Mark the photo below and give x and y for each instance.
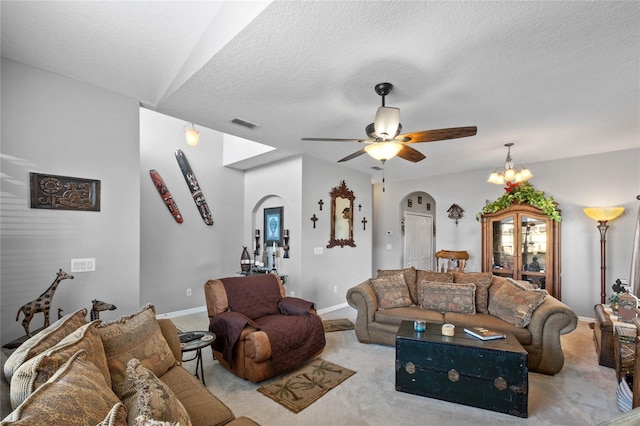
(273, 224)
(64, 192)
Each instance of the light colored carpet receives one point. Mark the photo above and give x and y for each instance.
(583, 393)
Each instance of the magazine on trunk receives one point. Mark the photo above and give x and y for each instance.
(484, 334)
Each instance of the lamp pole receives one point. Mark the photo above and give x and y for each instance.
(602, 227)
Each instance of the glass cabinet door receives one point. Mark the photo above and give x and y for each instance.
(503, 246)
(533, 237)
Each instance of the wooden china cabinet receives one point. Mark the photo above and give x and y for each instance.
(522, 243)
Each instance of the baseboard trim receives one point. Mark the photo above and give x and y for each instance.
(198, 309)
(183, 312)
(332, 308)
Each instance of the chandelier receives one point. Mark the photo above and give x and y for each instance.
(509, 173)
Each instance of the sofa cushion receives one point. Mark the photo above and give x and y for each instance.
(203, 407)
(409, 313)
(44, 340)
(148, 397)
(410, 277)
(135, 336)
(447, 297)
(36, 371)
(514, 305)
(488, 321)
(76, 395)
(391, 291)
(482, 280)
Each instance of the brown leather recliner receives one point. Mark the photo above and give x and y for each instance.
(260, 332)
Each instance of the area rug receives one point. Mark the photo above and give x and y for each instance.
(299, 389)
(340, 324)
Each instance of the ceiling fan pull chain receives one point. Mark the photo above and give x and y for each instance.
(383, 161)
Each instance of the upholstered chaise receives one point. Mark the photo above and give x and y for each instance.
(260, 333)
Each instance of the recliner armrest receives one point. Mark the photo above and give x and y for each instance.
(296, 306)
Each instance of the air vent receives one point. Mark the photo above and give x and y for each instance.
(243, 123)
(376, 168)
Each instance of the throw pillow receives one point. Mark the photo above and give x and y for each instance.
(482, 280)
(76, 395)
(36, 371)
(514, 305)
(391, 291)
(448, 297)
(44, 340)
(410, 277)
(135, 336)
(116, 417)
(433, 276)
(147, 397)
(525, 285)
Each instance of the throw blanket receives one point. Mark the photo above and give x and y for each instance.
(293, 339)
(293, 333)
(227, 327)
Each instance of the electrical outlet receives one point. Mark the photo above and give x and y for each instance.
(317, 250)
(83, 265)
(188, 292)
(293, 293)
(335, 288)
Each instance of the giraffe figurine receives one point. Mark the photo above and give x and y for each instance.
(42, 303)
(99, 306)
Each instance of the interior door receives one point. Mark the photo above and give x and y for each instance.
(418, 241)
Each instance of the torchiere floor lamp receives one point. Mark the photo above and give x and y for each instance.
(603, 215)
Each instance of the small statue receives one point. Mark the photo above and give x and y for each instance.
(42, 303)
(618, 287)
(99, 306)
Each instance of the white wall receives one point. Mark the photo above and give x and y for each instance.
(175, 257)
(55, 125)
(338, 268)
(596, 180)
(298, 184)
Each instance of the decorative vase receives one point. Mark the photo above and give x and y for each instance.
(245, 260)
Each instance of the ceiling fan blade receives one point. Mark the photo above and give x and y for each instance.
(334, 140)
(438, 134)
(410, 154)
(352, 156)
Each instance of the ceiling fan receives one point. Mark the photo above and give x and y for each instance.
(385, 140)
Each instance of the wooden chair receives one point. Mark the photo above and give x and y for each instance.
(449, 261)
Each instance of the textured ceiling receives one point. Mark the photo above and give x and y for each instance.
(560, 79)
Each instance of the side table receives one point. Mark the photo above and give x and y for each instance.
(197, 345)
(604, 334)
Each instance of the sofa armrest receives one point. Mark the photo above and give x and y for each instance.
(170, 333)
(363, 299)
(548, 322)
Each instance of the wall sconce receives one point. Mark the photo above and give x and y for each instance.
(603, 215)
(285, 236)
(191, 135)
(455, 212)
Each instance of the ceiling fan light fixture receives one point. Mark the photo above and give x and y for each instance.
(383, 151)
(387, 122)
(509, 173)
(191, 134)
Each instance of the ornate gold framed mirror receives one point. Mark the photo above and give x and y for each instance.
(341, 217)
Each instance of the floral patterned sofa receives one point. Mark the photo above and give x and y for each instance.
(122, 372)
(471, 299)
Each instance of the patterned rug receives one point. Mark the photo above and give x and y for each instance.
(299, 389)
(340, 324)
